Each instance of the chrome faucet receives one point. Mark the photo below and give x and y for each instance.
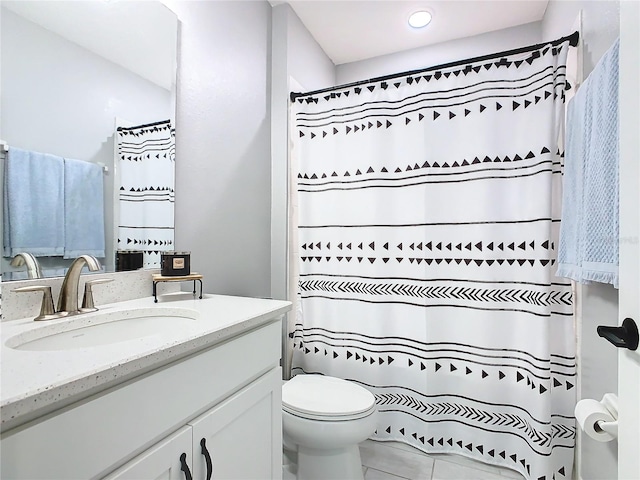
(68, 299)
(33, 267)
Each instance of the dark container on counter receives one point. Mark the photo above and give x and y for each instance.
(128, 260)
(175, 264)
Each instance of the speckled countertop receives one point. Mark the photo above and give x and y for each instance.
(36, 382)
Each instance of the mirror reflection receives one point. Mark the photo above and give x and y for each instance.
(92, 84)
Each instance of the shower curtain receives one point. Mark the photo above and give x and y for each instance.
(428, 224)
(146, 163)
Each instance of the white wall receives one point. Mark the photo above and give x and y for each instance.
(298, 62)
(223, 166)
(306, 61)
(600, 25)
(60, 98)
(597, 304)
(296, 58)
(440, 53)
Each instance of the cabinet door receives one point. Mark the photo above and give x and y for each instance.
(242, 436)
(162, 461)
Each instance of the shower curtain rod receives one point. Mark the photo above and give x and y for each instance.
(573, 41)
(146, 125)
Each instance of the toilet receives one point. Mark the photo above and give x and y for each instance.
(323, 420)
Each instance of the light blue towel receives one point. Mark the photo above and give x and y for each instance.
(33, 203)
(84, 209)
(588, 249)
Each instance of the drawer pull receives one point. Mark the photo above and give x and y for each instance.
(184, 467)
(207, 458)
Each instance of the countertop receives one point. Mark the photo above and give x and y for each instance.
(34, 383)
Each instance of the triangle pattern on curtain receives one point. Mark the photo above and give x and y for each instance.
(428, 223)
(146, 160)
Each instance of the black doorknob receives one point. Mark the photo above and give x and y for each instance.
(624, 336)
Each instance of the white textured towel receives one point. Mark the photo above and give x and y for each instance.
(588, 249)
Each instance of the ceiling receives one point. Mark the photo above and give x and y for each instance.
(139, 36)
(350, 31)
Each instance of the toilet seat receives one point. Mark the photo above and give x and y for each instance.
(319, 397)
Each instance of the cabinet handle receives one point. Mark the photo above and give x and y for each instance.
(207, 458)
(184, 467)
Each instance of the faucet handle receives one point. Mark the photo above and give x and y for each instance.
(87, 299)
(47, 310)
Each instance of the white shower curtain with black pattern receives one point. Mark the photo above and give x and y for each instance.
(428, 224)
(146, 166)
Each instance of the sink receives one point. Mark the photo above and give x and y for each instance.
(105, 328)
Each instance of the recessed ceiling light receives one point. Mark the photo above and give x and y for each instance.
(420, 19)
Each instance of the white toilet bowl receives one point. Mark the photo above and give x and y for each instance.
(323, 419)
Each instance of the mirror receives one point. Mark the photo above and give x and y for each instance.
(71, 72)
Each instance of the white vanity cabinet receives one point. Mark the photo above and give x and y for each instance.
(243, 435)
(163, 460)
(228, 393)
(238, 439)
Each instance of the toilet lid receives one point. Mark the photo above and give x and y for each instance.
(319, 395)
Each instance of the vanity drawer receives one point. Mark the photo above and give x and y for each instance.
(94, 436)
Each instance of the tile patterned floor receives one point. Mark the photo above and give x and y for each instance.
(396, 461)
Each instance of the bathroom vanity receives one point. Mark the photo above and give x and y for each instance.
(182, 389)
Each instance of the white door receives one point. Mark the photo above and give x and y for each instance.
(628, 361)
(242, 436)
(169, 459)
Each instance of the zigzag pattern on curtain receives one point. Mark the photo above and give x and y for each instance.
(428, 224)
(146, 155)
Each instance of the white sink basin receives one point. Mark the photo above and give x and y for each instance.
(104, 328)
